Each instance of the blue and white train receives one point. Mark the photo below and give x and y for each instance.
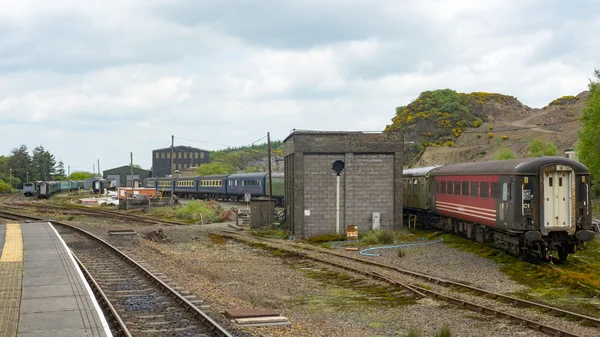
(224, 186)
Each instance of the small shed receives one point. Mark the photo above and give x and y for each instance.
(123, 178)
(369, 180)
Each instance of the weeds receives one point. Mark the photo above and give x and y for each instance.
(444, 332)
(414, 332)
(378, 237)
(401, 252)
(197, 211)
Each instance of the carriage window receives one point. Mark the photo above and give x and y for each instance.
(550, 181)
(560, 182)
(449, 187)
(474, 189)
(484, 191)
(496, 191)
(465, 188)
(442, 187)
(415, 187)
(506, 191)
(457, 188)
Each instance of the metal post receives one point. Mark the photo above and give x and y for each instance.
(270, 171)
(131, 154)
(172, 178)
(10, 179)
(26, 180)
(337, 205)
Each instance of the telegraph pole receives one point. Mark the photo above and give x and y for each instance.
(99, 168)
(270, 173)
(131, 155)
(172, 178)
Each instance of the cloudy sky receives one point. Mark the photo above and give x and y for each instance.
(96, 80)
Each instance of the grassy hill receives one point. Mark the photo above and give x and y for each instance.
(445, 126)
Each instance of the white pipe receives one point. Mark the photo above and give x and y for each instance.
(337, 206)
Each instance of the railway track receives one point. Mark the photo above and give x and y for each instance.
(139, 302)
(312, 252)
(419, 291)
(91, 212)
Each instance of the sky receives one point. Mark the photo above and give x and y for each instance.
(96, 80)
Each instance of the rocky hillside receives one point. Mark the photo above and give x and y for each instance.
(449, 127)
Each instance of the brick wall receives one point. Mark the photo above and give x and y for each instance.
(371, 189)
(320, 195)
(371, 181)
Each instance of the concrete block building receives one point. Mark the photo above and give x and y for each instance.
(183, 157)
(370, 184)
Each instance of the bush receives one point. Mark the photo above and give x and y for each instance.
(194, 210)
(4, 187)
(490, 135)
(539, 148)
(478, 136)
(377, 237)
(505, 154)
(505, 137)
(491, 127)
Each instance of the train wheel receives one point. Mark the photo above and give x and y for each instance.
(563, 253)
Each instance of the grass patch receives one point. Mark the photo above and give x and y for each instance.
(444, 332)
(270, 233)
(414, 332)
(325, 238)
(192, 211)
(343, 292)
(385, 237)
(216, 238)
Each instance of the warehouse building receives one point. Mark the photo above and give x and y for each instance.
(183, 157)
(370, 194)
(122, 176)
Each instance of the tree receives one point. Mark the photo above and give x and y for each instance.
(81, 175)
(505, 154)
(44, 164)
(60, 171)
(539, 148)
(214, 168)
(19, 162)
(589, 137)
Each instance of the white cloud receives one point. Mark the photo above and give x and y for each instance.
(83, 77)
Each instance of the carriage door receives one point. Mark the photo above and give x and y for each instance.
(557, 199)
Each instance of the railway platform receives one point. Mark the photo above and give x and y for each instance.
(42, 290)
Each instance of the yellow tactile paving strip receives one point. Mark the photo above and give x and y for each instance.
(13, 244)
(11, 275)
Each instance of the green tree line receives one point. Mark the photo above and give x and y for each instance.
(20, 166)
(588, 146)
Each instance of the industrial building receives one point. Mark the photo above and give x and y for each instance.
(122, 176)
(370, 191)
(183, 157)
